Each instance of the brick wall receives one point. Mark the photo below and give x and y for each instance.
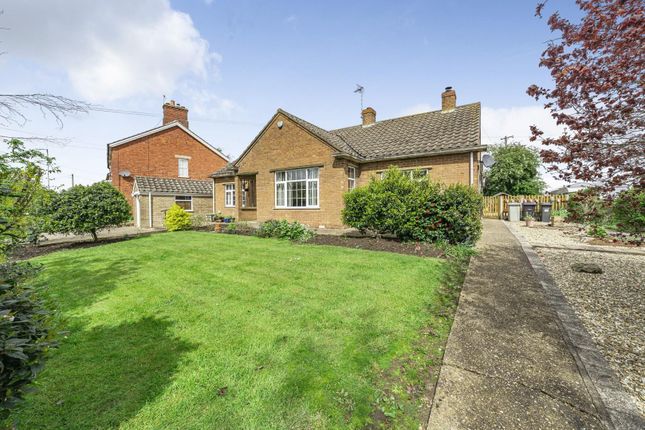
(219, 197)
(202, 205)
(156, 155)
(449, 169)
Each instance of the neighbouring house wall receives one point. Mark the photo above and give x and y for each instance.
(449, 169)
(219, 196)
(155, 155)
(288, 148)
(202, 205)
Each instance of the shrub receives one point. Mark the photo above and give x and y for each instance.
(198, 221)
(25, 333)
(177, 219)
(597, 231)
(415, 209)
(560, 213)
(88, 209)
(283, 229)
(588, 207)
(629, 211)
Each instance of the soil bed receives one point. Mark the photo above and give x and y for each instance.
(383, 244)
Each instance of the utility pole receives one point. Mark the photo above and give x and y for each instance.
(506, 138)
(72, 180)
(48, 165)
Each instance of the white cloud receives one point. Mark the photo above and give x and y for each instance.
(290, 19)
(110, 50)
(206, 104)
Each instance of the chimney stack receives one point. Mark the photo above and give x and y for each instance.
(448, 100)
(369, 116)
(175, 112)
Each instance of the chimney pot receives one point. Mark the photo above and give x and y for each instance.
(173, 111)
(369, 116)
(448, 100)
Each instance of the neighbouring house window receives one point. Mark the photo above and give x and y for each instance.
(185, 202)
(229, 195)
(351, 178)
(297, 188)
(183, 167)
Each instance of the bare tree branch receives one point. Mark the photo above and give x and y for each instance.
(12, 107)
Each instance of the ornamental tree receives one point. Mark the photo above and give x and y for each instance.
(515, 172)
(598, 96)
(88, 209)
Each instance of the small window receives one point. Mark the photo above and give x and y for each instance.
(412, 173)
(351, 178)
(229, 195)
(185, 202)
(183, 167)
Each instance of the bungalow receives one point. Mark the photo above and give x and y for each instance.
(298, 171)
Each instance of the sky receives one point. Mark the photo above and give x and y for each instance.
(233, 63)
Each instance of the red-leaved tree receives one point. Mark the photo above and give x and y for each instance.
(598, 95)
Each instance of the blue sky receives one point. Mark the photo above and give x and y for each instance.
(233, 63)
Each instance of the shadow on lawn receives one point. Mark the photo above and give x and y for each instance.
(80, 282)
(102, 377)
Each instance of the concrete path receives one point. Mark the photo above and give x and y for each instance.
(507, 363)
(113, 233)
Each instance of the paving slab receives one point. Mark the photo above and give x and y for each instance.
(507, 362)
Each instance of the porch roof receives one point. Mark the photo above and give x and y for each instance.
(173, 186)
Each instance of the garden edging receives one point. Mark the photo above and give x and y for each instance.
(614, 404)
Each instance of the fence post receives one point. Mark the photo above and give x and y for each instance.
(501, 207)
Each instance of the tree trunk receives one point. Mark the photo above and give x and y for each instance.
(95, 237)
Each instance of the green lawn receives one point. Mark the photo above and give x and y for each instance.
(196, 330)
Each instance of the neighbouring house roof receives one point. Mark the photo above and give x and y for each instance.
(428, 133)
(160, 129)
(172, 186)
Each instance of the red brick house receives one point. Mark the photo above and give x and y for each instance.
(171, 152)
(296, 170)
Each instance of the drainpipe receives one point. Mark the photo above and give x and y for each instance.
(138, 212)
(471, 169)
(150, 209)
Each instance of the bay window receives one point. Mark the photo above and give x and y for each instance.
(297, 188)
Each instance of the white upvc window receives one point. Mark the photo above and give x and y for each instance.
(229, 195)
(351, 178)
(185, 202)
(297, 188)
(183, 167)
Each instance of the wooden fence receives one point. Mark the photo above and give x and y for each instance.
(497, 206)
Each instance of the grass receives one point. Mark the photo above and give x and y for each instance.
(195, 330)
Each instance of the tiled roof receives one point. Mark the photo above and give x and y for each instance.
(228, 170)
(177, 186)
(422, 133)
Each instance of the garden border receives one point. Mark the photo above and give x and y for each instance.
(614, 404)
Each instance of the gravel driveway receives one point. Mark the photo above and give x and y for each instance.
(611, 305)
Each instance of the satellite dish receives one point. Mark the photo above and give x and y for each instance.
(488, 160)
(124, 173)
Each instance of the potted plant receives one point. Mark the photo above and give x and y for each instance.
(529, 218)
(558, 216)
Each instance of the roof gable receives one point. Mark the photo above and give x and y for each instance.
(159, 129)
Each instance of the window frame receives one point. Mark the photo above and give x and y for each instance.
(308, 180)
(351, 179)
(184, 198)
(229, 191)
(179, 167)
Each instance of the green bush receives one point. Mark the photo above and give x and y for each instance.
(283, 229)
(597, 231)
(415, 209)
(25, 333)
(177, 219)
(629, 211)
(198, 221)
(88, 209)
(588, 207)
